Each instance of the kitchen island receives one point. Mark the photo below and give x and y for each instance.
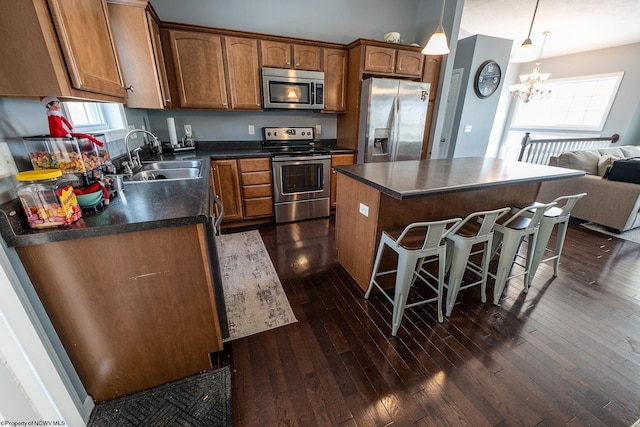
(374, 197)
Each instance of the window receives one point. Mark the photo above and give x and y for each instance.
(577, 104)
(86, 115)
(93, 117)
(577, 107)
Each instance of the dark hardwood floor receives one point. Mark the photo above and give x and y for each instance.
(567, 353)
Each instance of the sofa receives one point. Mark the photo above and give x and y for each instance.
(613, 204)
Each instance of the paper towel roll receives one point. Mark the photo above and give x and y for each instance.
(173, 137)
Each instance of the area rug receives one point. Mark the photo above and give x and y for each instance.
(201, 400)
(631, 235)
(253, 293)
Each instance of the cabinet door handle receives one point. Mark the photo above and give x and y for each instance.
(297, 64)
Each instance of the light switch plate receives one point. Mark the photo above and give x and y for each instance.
(252, 130)
(364, 209)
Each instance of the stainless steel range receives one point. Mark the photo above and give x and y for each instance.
(301, 173)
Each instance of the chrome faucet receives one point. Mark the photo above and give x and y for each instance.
(156, 147)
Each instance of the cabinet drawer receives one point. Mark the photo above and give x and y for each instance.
(258, 207)
(261, 190)
(253, 165)
(342, 159)
(253, 178)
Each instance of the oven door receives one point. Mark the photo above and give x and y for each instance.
(301, 178)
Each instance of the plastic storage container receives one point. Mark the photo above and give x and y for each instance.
(70, 155)
(47, 198)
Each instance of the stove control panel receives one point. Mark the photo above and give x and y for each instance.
(288, 134)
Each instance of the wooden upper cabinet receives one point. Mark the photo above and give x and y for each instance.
(161, 68)
(409, 63)
(93, 66)
(307, 57)
(275, 54)
(59, 47)
(335, 80)
(138, 39)
(199, 69)
(393, 61)
(379, 59)
(244, 73)
(280, 54)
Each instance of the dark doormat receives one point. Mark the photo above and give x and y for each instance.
(199, 400)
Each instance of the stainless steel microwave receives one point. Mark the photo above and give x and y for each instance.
(292, 89)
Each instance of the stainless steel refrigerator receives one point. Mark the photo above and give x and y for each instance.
(392, 118)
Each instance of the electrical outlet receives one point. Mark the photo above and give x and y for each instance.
(364, 209)
(318, 130)
(252, 130)
(133, 135)
(187, 129)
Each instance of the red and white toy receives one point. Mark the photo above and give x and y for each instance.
(59, 126)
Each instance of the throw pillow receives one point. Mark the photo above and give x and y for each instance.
(585, 160)
(630, 150)
(605, 162)
(611, 151)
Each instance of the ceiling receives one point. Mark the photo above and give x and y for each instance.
(575, 25)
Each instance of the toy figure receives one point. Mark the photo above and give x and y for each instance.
(57, 121)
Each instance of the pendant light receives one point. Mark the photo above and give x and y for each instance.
(531, 86)
(437, 44)
(526, 53)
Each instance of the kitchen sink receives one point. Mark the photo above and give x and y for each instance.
(172, 164)
(169, 170)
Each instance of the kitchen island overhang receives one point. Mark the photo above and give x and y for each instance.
(373, 197)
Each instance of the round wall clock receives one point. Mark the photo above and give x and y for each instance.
(487, 79)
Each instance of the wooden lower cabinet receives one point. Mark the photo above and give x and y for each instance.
(338, 160)
(244, 188)
(132, 310)
(226, 183)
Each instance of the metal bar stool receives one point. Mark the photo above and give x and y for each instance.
(416, 242)
(559, 215)
(476, 229)
(508, 235)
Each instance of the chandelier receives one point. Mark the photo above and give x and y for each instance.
(531, 85)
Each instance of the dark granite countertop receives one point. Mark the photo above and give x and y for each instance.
(416, 178)
(141, 206)
(240, 149)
